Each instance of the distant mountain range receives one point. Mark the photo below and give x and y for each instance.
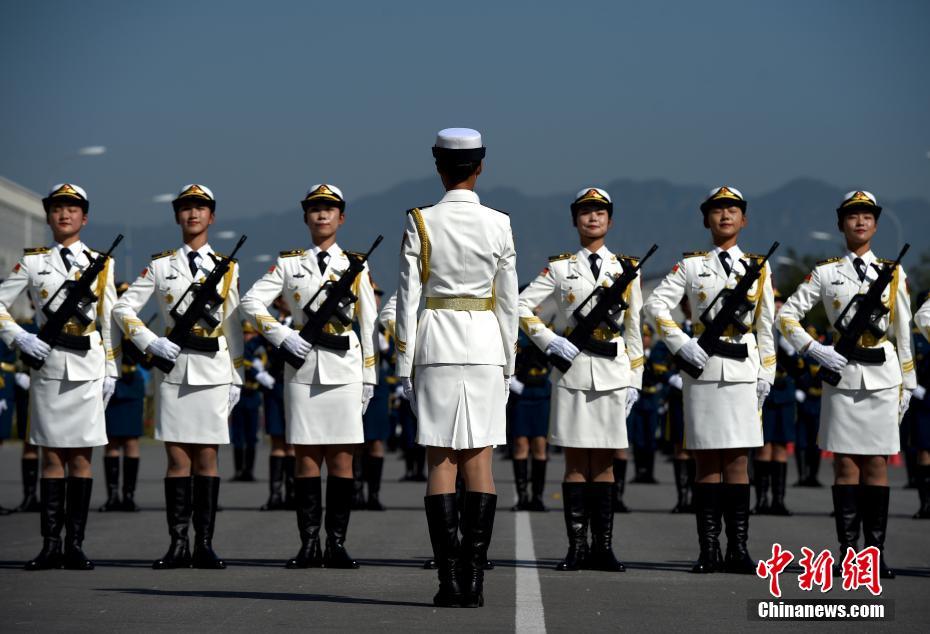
(645, 212)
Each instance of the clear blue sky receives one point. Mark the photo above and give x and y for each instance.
(261, 99)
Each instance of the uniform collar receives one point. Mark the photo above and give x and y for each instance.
(75, 248)
(460, 196)
(333, 250)
(77, 257)
(604, 253)
(204, 251)
(735, 253)
(868, 257)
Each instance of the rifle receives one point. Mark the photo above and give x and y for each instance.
(869, 311)
(339, 297)
(734, 307)
(610, 304)
(205, 300)
(78, 296)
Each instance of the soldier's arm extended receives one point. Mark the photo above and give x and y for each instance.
(899, 327)
(10, 290)
(922, 319)
(788, 319)
(633, 333)
(763, 321)
(539, 291)
(409, 288)
(506, 290)
(658, 307)
(110, 336)
(255, 302)
(232, 326)
(388, 314)
(126, 309)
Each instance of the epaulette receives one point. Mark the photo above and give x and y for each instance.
(828, 261)
(629, 258)
(561, 256)
(694, 254)
(355, 253)
(220, 255)
(413, 209)
(35, 250)
(753, 256)
(498, 211)
(884, 261)
(163, 254)
(290, 254)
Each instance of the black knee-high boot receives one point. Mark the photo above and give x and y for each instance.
(443, 520)
(619, 485)
(680, 468)
(111, 478)
(813, 466)
(874, 500)
(923, 491)
(79, 490)
(238, 455)
(736, 516)
(290, 469)
(576, 526)
(308, 497)
(206, 499)
(538, 480)
(339, 493)
(178, 505)
(275, 481)
(248, 464)
(520, 479)
(53, 519)
(762, 477)
(29, 468)
(779, 471)
(130, 476)
(358, 482)
(599, 503)
(847, 518)
(708, 511)
(374, 468)
(477, 526)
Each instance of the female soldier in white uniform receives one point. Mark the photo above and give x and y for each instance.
(456, 356)
(326, 397)
(722, 407)
(588, 398)
(195, 398)
(68, 395)
(859, 417)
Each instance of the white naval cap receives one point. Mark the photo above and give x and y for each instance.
(459, 144)
(593, 196)
(68, 191)
(324, 192)
(859, 199)
(724, 193)
(194, 191)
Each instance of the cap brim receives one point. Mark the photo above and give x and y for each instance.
(723, 202)
(470, 155)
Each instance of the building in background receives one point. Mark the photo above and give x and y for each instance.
(23, 222)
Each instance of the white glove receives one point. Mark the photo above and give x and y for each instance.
(563, 347)
(410, 393)
(32, 345)
(265, 379)
(676, 382)
(296, 345)
(3, 406)
(368, 392)
(109, 386)
(632, 395)
(234, 393)
(693, 353)
(800, 396)
(919, 392)
(516, 385)
(826, 356)
(507, 380)
(257, 365)
(904, 403)
(23, 381)
(164, 348)
(762, 391)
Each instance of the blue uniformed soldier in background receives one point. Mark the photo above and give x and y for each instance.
(808, 395)
(7, 395)
(29, 463)
(917, 417)
(281, 459)
(124, 414)
(682, 462)
(643, 421)
(377, 424)
(243, 422)
(779, 414)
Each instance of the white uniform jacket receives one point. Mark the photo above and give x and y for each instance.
(922, 319)
(168, 276)
(41, 272)
(457, 249)
(701, 276)
(835, 282)
(296, 277)
(568, 281)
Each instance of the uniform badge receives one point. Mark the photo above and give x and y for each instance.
(144, 272)
(44, 294)
(17, 267)
(296, 297)
(571, 298)
(702, 296)
(271, 269)
(675, 268)
(837, 304)
(169, 298)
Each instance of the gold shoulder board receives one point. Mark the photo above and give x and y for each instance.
(694, 254)
(828, 261)
(35, 250)
(561, 256)
(413, 209)
(163, 254)
(290, 254)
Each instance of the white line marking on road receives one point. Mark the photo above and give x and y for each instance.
(530, 616)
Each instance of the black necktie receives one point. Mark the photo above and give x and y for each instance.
(725, 261)
(192, 259)
(66, 258)
(860, 268)
(321, 258)
(594, 259)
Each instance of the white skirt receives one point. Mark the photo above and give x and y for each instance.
(323, 414)
(721, 415)
(460, 406)
(195, 414)
(861, 422)
(66, 414)
(588, 419)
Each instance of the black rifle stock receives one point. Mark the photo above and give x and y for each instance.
(339, 298)
(734, 307)
(78, 296)
(869, 311)
(205, 300)
(609, 304)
